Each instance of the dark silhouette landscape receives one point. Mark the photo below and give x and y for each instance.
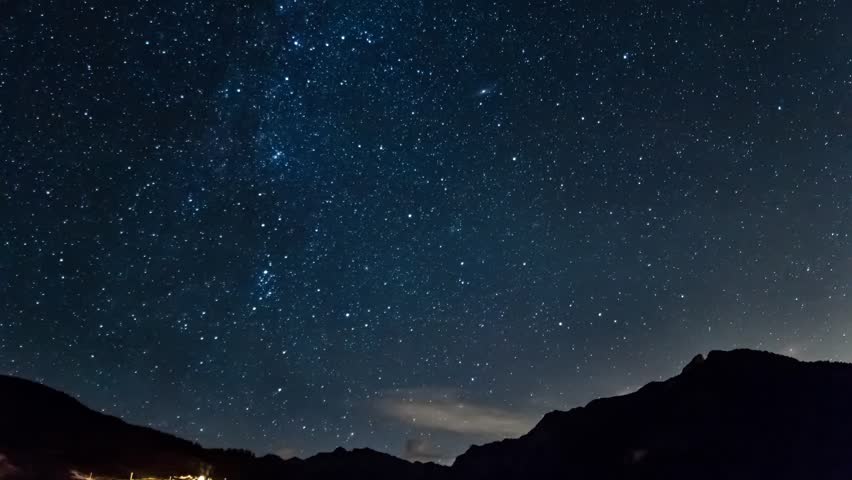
(734, 414)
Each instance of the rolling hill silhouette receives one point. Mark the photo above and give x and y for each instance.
(736, 414)
(45, 433)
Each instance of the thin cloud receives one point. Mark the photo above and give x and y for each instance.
(422, 450)
(441, 410)
(287, 452)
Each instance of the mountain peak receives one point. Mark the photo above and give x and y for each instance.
(741, 357)
(730, 414)
(696, 362)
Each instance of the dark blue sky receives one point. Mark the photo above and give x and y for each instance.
(292, 225)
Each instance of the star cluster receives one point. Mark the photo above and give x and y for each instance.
(296, 224)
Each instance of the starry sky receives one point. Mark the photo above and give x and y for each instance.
(288, 225)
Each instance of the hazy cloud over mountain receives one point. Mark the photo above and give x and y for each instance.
(421, 449)
(444, 410)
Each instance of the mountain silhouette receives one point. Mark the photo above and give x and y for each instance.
(45, 433)
(734, 414)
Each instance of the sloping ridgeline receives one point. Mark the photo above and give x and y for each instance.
(738, 414)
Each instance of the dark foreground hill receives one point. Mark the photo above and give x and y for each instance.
(45, 434)
(739, 414)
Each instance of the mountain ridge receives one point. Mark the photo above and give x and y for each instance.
(700, 390)
(729, 414)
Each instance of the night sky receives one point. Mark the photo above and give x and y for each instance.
(292, 225)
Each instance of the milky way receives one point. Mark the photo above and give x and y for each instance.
(288, 226)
